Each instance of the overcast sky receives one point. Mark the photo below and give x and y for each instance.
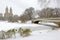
(19, 6)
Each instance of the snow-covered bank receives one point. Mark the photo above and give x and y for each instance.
(48, 24)
(39, 32)
(4, 25)
(41, 35)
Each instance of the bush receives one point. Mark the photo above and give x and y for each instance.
(24, 32)
(58, 23)
(11, 32)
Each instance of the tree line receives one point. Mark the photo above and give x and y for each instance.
(30, 13)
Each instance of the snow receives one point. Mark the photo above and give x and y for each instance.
(39, 32)
(4, 25)
(29, 22)
(41, 35)
(48, 24)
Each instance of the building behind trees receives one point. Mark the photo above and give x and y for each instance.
(8, 13)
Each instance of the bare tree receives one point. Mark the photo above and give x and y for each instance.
(28, 15)
(29, 12)
(45, 13)
(23, 18)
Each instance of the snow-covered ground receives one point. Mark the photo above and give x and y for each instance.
(39, 32)
(4, 25)
(41, 35)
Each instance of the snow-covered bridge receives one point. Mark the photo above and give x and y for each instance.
(47, 20)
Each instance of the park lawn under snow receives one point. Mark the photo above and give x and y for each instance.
(4, 25)
(39, 32)
(41, 35)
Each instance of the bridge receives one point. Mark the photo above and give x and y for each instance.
(52, 20)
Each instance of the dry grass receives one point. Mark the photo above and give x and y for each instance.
(58, 23)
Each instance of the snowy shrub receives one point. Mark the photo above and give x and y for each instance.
(10, 32)
(24, 32)
(2, 34)
(20, 31)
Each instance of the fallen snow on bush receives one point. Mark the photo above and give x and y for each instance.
(41, 35)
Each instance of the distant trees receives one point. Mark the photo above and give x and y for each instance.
(28, 15)
(57, 12)
(49, 12)
(30, 12)
(23, 18)
(16, 18)
(45, 13)
(1, 16)
(10, 19)
(13, 19)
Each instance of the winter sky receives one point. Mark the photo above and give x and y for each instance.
(19, 6)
